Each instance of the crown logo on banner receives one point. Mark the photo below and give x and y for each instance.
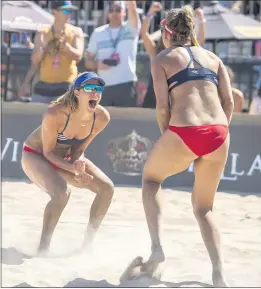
(128, 154)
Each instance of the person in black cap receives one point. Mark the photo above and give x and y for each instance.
(53, 155)
(57, 50)
(63, 5)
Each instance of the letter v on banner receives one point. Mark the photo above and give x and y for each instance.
(15, 149)
(8, 142)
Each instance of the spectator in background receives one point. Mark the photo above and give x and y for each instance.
(153, 49)
(26, 40)
(112, 52)
(57, 50)
(18, 40)
(237, 94)
(103, 19)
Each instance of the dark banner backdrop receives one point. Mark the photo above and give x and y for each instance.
(122, 148)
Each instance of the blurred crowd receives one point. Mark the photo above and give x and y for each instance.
(111, 52)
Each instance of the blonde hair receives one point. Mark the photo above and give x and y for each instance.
(69, 99)
(181, 20)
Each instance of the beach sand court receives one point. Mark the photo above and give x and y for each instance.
(123, 236)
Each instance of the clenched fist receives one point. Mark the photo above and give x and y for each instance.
(83, 178)
(78, 167)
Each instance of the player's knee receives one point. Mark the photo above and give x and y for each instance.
(150, 182)
(199, 210)
(149, 178)
(61, 195)
(107, 189)
(151, 175)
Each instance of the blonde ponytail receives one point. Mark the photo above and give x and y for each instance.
(189, 12)
(194, 40)
(182, 22)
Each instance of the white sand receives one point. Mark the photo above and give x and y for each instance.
(122, 237)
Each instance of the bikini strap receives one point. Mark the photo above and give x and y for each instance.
(94, 117)
(66, 124)
(191, 57)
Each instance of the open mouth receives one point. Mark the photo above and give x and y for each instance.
(92, 103)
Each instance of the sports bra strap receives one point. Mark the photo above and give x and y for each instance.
(191, 57)
(65, 124)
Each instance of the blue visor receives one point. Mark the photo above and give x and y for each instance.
(84, 77)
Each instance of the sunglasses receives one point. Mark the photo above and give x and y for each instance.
(66, 12)
(164, 27)
(92, 88)
(116, 10)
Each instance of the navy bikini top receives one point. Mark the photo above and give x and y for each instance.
(64, 140)
(188, 74)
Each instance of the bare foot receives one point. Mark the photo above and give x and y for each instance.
(218, 279)
(157, 256)
(133, 270)
(136, 262)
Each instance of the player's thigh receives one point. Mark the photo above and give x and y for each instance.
(169, 156)
(208, 171)
(42, 173)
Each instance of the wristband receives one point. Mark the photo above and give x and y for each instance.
(149, 15)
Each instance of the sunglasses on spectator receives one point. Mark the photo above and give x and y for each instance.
(116, 10)
(66, 12)
(92, 88)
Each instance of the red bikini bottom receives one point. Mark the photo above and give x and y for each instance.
(202, 139)
(30, 150)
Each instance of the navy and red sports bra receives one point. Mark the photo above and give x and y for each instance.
(188, 74)
(64, 140)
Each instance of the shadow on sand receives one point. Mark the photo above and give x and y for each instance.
(85, 283)
(147, 282)
(11, 256)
